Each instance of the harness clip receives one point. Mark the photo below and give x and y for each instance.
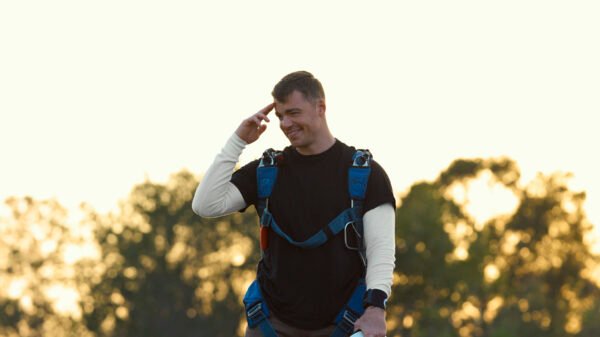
(362, 158)
(358, 237)
(359, 242)
(271, 158)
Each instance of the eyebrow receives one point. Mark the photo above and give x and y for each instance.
(277, 113)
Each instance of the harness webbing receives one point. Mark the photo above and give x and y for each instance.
(257, 312)
(350, 219)
(333, 228)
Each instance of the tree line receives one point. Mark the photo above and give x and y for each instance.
(154, 268)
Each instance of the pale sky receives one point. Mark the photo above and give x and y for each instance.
(96, 96)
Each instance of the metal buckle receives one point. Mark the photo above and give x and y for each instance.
(363, 258)
(362, 158)
(351, 224)
(347, 322)
(266, 218)
(269, 158)
(349, 317)
(256, 309)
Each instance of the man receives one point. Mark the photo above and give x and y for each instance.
(305, 289)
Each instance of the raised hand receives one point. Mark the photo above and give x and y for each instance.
(252, 127)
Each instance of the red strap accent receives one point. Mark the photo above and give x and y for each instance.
(264, 237)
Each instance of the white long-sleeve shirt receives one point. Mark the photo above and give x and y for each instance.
(217, 196)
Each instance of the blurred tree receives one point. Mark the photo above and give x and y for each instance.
(519, 274)
(38, 290)
(160, 270)
(168, 272)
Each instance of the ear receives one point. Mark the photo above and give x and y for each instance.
(321, 107)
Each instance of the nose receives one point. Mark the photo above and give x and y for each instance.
(285, 122)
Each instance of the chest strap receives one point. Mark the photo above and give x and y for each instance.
(338, 224)
(349, 220)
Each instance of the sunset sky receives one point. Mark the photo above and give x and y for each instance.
(97, 96)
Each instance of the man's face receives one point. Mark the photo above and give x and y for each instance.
(301, 120)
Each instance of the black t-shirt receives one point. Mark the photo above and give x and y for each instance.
(307, 288)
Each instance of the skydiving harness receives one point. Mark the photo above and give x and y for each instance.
(349, 221)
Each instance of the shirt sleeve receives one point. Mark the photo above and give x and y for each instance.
(379, 228)
(216, 195)
(245, 181)
(379, 189)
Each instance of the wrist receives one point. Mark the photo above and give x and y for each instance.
(375, 311)
(238, 139)
(375, 298)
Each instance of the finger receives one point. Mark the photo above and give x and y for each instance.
(256, 120)
(249, 122)
(262, 129)
(265, 111)
(262, 117)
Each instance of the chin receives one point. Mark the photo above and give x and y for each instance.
(295, 143)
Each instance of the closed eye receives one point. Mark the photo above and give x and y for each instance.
(290, 112)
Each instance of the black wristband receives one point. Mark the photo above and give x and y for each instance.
(375, 298)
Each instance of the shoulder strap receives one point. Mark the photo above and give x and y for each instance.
(266, 175)
(358, 179)
(358, 176)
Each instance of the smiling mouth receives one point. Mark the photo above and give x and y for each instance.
(292, 133)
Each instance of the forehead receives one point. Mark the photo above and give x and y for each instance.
(294, 100)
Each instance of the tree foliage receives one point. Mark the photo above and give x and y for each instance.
(168, 271)
(517, 274)
(39, 284)
(157, 269)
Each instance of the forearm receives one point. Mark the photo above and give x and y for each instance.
(379, 228)
(216, 195)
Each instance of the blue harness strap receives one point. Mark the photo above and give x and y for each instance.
(358, 179)
(266, 175)
(351, 312)
(358, 174)
(257, 312)
(337, 225)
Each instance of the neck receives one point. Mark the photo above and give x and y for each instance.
(319, 146)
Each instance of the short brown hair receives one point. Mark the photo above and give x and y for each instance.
(304, 82)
